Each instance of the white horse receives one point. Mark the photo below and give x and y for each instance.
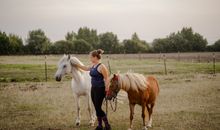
(81, 84)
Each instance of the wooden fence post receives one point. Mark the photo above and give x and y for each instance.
(178, 56)
(164, 62)
(213, 56)
(45, 68)
(199, 58)
(139, 55)
(109, 66)
(159, 56)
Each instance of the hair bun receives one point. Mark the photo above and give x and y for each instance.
(100, 51)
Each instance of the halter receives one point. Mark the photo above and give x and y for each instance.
(112, 98)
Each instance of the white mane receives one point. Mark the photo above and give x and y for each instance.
(132, 81)
(75, 60)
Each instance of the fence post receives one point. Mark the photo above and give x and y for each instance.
(164, 62)
(139, 55)
(45, 68)
(159, 56)
(178, 56)
(199, 58)
(213, 56)
(109, 66)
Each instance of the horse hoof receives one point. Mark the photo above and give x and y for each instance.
(144, 128)
(149, 125)
(92, 123)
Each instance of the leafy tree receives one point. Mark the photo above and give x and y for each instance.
(135, 37)
(70, 36)
(109, 42)
(135, 45)
(82, 46)
(185, 41)
(4, 43)
(37, 42)
(216, 46)
(89, 35)
(16, 44)
(61, 47)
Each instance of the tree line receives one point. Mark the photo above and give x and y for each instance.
(86, 39)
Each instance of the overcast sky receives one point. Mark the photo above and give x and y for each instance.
(149, 18)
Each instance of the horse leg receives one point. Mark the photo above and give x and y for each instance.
(150, 110)
(78, 110)
(144, 116)
(91, 114)
(131, 115)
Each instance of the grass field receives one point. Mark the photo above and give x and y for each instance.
(189, 95)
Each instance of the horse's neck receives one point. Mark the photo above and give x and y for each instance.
(77, 74)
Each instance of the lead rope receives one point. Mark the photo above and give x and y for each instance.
(106, 101)
(115, 99)
(116, 102)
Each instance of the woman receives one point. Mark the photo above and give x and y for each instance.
(100, 85)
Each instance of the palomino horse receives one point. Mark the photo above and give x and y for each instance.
(141, 90)
(81, 84)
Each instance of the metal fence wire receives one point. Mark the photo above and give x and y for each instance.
(42, 68)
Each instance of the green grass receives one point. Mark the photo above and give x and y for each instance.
(36, 72)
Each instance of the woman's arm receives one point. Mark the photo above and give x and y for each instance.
(83, 67)
(105, 74)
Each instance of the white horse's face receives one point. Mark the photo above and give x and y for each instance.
(62, 67)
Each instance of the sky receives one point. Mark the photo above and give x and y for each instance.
(150, 19)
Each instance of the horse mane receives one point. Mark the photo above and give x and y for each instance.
(73, 60)
(134, 81)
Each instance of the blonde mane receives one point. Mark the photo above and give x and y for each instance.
(134, 81)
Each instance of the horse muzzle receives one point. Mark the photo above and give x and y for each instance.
(58, 78)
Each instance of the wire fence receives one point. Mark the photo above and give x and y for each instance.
(43, 68)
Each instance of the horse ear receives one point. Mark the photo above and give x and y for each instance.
(68, 56)
(115, 76)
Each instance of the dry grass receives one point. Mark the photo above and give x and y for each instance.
(189, 96)
(184, 105)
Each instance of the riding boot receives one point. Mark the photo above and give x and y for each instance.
(99, 127)
(107, 125)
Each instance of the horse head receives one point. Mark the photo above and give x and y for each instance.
(114, 86)
(62, 67)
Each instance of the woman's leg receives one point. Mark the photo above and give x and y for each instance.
(94, 94)
(98, 97)
(101, 112)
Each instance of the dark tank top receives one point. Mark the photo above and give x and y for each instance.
(97, 77)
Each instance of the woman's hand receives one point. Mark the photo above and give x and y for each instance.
(106, 88)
